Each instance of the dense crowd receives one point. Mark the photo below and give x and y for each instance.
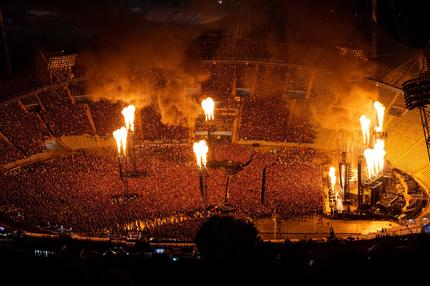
(269, 120)
(62, 115)
(67, 111)
(9, 153)
(155, 130)
(22, 129)
(106, 116)
(76, 191)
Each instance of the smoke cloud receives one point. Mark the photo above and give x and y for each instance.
(147, 67)
(146, 64)
(343, 108)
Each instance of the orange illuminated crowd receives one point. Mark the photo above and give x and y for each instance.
(75, 192)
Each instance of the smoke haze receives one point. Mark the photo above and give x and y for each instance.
(147, 67)
(143, 63)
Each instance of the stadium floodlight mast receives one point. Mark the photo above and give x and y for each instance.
(61, 66)
(62, 62)
(200, 150)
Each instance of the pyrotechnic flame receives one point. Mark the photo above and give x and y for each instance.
(332, 176)
(365, 128)
(208, 106)
(369, 155)
(117, 136)
(379, 150)
(124, 139)
(128, 113)
(380, 109)
(375, 158)
(120, 136)
(343, 175)
(200, 149)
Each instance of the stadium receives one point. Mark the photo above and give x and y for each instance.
(289, 148)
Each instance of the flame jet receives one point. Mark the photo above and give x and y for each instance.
(369, 155)
(365, 128)
(208, 106)
(128, 113)
(380, 110)
(379, 150)
(375, 158)
(332, 176)
(120, 136)
(200, 149)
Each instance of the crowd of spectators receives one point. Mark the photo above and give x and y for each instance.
(219, 84)
(155, 130)
(20, 82)
(64, 117)
(22, 129)
(75, 192)
(271, 80)
(106, 116)
(269, 120)
(294, 183)
(64, 113)
(8, 152)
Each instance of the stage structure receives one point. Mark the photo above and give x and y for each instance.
(359, 183)
(417, 95)
(332, 190)
(344, 178)
(371, 161)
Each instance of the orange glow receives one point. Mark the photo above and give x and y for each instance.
(365, 128)
(380, 110)
(120, 136)
(208, 106)
(332, 176)
(375, 158)
(128, 113)
(200, 149)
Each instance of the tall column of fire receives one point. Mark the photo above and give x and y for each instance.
(374, 148)
(336, 198)
(208, 106)
(200, 150)
(120, 136)
(128, 113)
(375, 156)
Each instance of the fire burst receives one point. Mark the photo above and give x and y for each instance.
(375, 158)
(120, 136)
(208, 106)
(201, 149)
(332, 176)
(365, 128)
(128, 113)
(380, 110)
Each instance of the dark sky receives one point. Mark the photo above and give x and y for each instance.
(78, 25)
(331, 20)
